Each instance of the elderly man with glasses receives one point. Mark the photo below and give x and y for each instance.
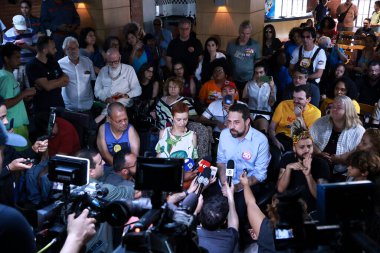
(116, 82)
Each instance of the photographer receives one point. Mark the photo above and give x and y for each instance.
(12, 178)
(15, 228)
(213, 215)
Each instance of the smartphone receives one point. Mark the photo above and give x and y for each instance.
(11, 123)
(265, 79)
(228, 99)
(214, 170)
(51, 123)
(28, 161)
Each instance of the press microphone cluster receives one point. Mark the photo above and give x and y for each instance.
(204, 179)
(230, 171)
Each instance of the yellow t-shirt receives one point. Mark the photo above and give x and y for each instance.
(326, 106)
(284, 116)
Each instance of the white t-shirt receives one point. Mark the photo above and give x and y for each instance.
(318, 63)
(216, 111)
(2, 26)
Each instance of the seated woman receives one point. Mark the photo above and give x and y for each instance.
(173, 88)
(294, 41)
(136, 54)
(270, 42)
(337, 135)
(204, 71)
(212, 90)
(177, 141)
(342, 86)
(149, 85)
(88, 47)
(330, 78)
(189, 88)
(261, 96)
(279, 71)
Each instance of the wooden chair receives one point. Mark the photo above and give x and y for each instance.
(365, 114)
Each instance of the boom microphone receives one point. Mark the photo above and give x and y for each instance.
(230, 171)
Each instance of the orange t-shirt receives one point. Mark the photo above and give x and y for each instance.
(210, 92)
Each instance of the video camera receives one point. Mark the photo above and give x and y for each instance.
(343, 210)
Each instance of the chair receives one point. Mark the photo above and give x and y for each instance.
(204, 138)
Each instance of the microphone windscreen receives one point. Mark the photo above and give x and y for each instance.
(190, 202)
(230, 164)
(203, 164)
(188, 165)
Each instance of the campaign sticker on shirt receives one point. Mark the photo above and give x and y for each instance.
(87, 72)
(246, 155)
(116, 148)
(305, 62)
(249, 51)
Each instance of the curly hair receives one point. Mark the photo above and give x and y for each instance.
(374, 136)
(350, 86)
(177, 81)
(365, 161)
(331, 24)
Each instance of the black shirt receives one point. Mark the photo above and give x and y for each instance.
(43, 99)
(221, 240)
(368, 94)
(15, 233)
(319, 169)
(186, 52)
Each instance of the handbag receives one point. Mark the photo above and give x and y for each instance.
(342, 16)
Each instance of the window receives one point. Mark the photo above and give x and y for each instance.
(365, 9)
(286, 8)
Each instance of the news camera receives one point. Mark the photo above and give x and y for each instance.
(343, 212)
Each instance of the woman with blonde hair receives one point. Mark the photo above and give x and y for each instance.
(337, 135)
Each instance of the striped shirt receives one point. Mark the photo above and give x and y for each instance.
(28, 38)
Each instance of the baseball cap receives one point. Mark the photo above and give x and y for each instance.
(229, 84)
(10, 139)
(19, 22)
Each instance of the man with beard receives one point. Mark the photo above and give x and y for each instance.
(77, 95)
(116, 82)
(117, 134)
(287, 112)
(249, 149)
(301, 169)
(46, 75)
(369, 85)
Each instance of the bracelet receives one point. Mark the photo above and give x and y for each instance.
(7, 167)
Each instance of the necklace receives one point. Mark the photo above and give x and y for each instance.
(117, 76)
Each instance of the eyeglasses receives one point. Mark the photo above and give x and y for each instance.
(111, 63)
(269, 31)
(306, 37)
(173, 87)
(178, 69)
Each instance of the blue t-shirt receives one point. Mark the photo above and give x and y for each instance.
(115, 145)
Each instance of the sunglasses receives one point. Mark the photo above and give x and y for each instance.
(269, 31)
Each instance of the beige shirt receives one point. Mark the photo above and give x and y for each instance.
(375, 19)
(351, 15)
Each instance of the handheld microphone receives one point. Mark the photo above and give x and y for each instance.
(188, 164)
(203, 163)
(230, 171)
(204, 179)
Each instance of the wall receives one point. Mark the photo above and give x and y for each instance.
(7, 11)
(225, 20)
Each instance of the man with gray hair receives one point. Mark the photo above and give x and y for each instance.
(243, 52)
(78, 94)
(116, 82)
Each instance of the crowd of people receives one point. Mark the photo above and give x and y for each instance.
(287, 113)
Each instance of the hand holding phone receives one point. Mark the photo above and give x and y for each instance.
(28, 161)
(11, 123)
(265, 79)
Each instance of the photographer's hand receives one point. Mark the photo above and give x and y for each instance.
(79, 231)
(17, 164)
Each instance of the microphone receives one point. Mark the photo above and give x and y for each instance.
(230, 171)
(190, 203)
(203, 163)
(188, 164)
(204, 179)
